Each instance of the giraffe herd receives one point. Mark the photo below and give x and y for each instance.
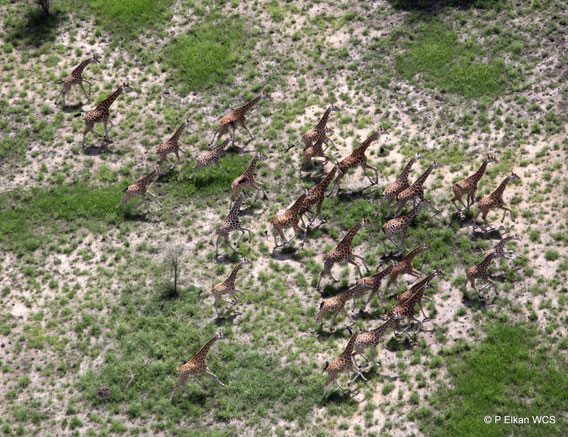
(394, 197)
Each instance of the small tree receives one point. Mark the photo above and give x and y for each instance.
(172, 257)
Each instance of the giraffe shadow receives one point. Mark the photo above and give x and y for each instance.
(286, 253)
(194, 397)
(352, 195)
(97, 150)
(224, 259)
(249, 211)
(394, 344)
(136, 217)
(476, 302)
(341, 397)
(239, 150)
(72, 108)
(341, 332)
(227, 318)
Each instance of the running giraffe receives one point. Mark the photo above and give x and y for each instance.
(343, 363)
(211, 157)
(228, 287)
(289, 219)
(230, 224)
(468, 186)
(237, 117)
(141, 188)
(398, 186)
(343, 252)
(171, 145)
(500, 248)
(337, 303)
(421, 286)
(370, 339)
(318, 133)
(76, 78)
(416, 190)
(481, 271)
(495, 200)
(358, 158)
(374, 281)
(399, 225)
(247, 180)
(318, 193)
(197, 364)
(405, 267)
(101, 114)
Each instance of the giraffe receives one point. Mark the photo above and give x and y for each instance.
(247, 180)
(468, 186)
(318, 133)
(370, 339)
(495, 200)
(76, 78)
(289, 219)
(237, 117)
(336, 304)
(401, 184)
(231, 223)
(197, 364)
(500, 248)
(141, 188)
(399, 225)
(318, 193)
(421, 286)
(171, 145)
(211, 157)
(343, 252)
(374, 281)
(343, 363)
(358, 158)
(416, 190)
(228, 287)
(406, 309)
(481, 271)
(314, 151)
(405, 266)
(101, 113)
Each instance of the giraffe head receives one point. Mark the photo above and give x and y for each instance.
(435, 164)
(95, 59)
(261, 156)
(426, 247)
(334, 108)
(382, 131)
(158, 172)
(125, 87)
(513, 176)
(396, 265)
(221, 336)
(439, 272)
(264, 96)
(186, 123)
(397, 317)
(244, 261)
(490, 158)
(515, 237)
(366, 223)
(417, 157)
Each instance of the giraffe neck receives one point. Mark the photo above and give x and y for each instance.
(412, 254)
(350, 235)
(502, 243)
(420, 181)
(404, 175)
(479, 173)
(499, 191)
(176, 135)
(105, 104)
(203, 351)
(250, 169)
(233, 276)
(323, 122)
(349, 348)
(249, 105)
(361, 148)
(383, 273)
(146, 180)
(384, 327)
(486, 261)
(79, 69)
(414, 212)
(322, 186)
(237, 206)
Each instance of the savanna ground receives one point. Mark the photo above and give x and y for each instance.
(90, 329)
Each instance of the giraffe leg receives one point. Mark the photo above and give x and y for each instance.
(88, 129)
(332, 321)
(218, 164)
(154, 197)
(336, 182)
(90, 85)
(339, 385)
(246, 128)
(209, 174)
(401, 205)
(350, 261)
(217, 245)
(363, 260)
(376, 173)
(174, 392)
(83, 88)
(213, 377)
(348, 315)
(505, 209)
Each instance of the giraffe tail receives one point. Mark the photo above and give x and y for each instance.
(289, 147)
(77, 114)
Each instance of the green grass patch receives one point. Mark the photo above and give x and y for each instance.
(507, 374)
(204, 57)
(435, 54)
(129, 16)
